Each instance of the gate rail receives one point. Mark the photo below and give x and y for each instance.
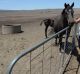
(16, 59)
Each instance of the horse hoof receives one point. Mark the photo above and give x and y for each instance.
(46, 37)
(60, 50)
(56, 44)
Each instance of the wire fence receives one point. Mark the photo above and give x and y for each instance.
(43, 58)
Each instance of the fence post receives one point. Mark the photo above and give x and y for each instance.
(65, 45)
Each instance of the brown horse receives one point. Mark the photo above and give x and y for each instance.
(60, 22)
(47, 22)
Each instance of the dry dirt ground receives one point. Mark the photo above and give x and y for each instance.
(12, 44)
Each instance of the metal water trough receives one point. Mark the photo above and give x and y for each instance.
(11, 28)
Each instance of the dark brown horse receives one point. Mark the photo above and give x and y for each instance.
(47, 22)
(60, 22)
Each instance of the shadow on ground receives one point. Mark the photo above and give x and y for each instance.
(74, 53)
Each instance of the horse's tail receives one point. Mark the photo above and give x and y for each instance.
(41, 22)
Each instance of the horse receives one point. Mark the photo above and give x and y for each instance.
(60, 22)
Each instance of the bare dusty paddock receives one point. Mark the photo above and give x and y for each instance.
(13, 44)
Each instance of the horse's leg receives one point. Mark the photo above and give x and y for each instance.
(67, 36)
(56, 40)
(46, 30)
(68, 33)
(60, 41)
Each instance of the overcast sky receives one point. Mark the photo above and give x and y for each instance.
(35, 4)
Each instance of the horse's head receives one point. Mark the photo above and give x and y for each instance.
(68, 13)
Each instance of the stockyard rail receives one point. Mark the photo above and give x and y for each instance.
(40, 63)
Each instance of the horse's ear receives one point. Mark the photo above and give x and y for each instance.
(65, 5)
(72, 4)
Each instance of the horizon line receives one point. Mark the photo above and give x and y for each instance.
(36, 9)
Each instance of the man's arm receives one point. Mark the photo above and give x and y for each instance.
(77, 20)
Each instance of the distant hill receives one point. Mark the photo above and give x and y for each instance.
(38, 10)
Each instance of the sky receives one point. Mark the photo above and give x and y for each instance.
(35, 4)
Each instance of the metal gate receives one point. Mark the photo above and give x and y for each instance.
(43, 58)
